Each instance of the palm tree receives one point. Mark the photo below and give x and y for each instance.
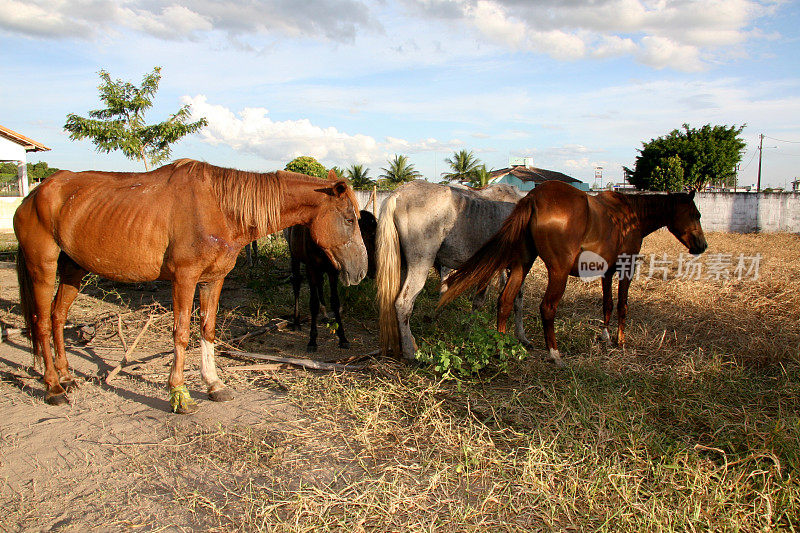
(480, 177)
(463, 164)
(399, 172)
(357, 175)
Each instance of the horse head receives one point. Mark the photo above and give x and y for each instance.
(335, 229)
(685, 223)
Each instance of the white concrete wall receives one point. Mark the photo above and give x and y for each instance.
(8, 206)
(742, 212)
(11, 151)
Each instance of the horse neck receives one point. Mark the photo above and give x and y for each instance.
(653, 210)
(301, 199)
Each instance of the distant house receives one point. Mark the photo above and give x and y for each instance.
(14, 148)
(522, 174)
(796, 185)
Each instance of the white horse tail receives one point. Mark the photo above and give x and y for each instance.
(388, 277)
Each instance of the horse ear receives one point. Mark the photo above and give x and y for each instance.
(340, 187)
(332, 175)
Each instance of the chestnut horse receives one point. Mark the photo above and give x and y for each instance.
(185, 222)
(303, 249)
(560, 223)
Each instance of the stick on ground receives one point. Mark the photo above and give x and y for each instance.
(111, 375)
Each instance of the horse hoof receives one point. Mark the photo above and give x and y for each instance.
(311, 348)
(181, 402)
(344, 344)
(69, 385)
(221, 395)
(56, 399)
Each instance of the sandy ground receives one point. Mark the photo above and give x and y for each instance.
(103, 461)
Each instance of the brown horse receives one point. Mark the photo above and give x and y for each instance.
(185, 222)
(303, 249)
(562, 225)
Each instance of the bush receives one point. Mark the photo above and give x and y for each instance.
(471, 350)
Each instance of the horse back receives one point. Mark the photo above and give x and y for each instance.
(133, 226)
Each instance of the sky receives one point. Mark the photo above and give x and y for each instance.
(575, 84)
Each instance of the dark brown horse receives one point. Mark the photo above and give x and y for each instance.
(562, 225)
(303, 249)
(185, 222)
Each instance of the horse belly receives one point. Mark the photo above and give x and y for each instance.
(114, 238)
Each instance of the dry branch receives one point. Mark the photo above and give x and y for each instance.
(279, 324)
(305, 363)
(128, 351)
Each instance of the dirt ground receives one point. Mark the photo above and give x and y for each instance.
(104, 460)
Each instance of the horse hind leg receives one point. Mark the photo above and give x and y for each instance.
(404, 305)
(37, 274)
(70, 276)
(556, 285)
(209, 302)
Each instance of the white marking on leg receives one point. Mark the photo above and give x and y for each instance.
(208, 369)
(555, 357)
(605, 336)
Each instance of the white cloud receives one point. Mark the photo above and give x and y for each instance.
(253, 131)
(664, 33)
(337, 20)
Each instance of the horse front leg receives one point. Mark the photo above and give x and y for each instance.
(313, 303)
(182, 297)
(333, 281)
(608, 305)
(622, 308)
(209, 303)
(297, 281)
(70, 275)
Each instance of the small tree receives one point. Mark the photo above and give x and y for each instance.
(463, 166)
(705, 155)
(480, 177)
(307, 165)
(398, 172)
(121, 126)
(358, 176)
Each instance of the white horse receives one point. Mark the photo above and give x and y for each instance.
(421, 225)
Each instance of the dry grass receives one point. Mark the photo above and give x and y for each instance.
(694, 427)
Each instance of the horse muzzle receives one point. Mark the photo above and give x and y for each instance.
(697, 244)
(352, 262)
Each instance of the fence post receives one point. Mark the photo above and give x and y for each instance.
(374, 199)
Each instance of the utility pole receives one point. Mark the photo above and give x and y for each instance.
(760, 149)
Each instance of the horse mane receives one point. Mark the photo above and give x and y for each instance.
(651, 207)
(250, 198)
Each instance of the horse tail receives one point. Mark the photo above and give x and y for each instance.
(495, 255)
(26, 300)
(388, 277)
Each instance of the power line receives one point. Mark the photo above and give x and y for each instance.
(781, 140)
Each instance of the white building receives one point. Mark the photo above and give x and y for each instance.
(14, 148)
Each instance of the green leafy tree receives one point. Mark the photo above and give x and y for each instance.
(463, 166)
(398, 172)
(707, 155)
(306, 164)
(121, 124)
(480, 177)
(359, 177)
